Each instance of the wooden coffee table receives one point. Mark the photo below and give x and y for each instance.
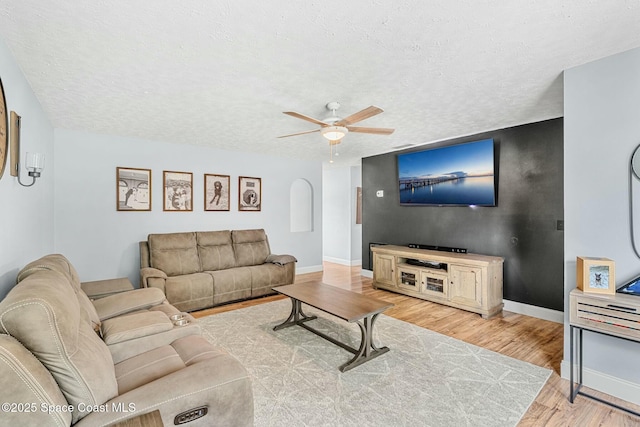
(346, 305)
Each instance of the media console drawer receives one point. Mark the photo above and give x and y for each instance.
(617, 314)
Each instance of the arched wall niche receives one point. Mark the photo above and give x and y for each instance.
(301, 206)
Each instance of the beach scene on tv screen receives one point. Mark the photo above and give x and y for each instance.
(456, 175)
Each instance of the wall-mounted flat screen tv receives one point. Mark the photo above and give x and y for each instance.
(456, 175)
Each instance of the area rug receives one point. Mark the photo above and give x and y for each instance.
(426, 379)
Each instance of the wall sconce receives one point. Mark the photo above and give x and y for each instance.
(34, 162)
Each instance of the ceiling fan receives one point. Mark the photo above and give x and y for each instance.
(335, 128)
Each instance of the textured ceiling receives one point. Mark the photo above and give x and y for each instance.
(221, 73)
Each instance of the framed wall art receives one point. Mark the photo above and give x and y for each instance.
(178, 191)
(216, 192)
(249, 193)
(133, 189)
(596, 275)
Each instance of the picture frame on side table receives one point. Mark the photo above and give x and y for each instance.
(133, 189)
(249, 194)
(178, 191)
(596, 275)
(216, 192)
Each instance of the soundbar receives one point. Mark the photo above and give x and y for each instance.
(438, 248)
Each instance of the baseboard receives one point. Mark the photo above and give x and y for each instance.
(613, 386)
(534, 311)
(310, 269)
(514, 307)
(347, 262)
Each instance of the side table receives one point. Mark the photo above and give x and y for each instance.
(616, 316)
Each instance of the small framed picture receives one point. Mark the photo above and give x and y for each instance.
(249, 193)
(216, 192)
(596, 275)
(133, 189)
(178, 191)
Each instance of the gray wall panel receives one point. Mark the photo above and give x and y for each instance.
(522, 228)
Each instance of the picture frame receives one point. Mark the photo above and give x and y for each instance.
(596, 275)
(216, 192)
(133, 189)
(249, 194)
(178, 191)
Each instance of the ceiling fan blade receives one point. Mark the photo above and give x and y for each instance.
(360, 115)
(307, 118)
(300, 133)
(376, 131)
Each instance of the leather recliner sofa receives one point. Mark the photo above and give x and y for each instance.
(56, 369)
(197, 270)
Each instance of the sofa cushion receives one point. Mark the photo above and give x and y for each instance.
(232, 284)
(190, 292)
(56, 262)
(174, 253)
(43, 313)
(250, 246)
(59, 263)
(215, 250)
(147, 367)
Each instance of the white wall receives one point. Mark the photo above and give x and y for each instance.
(26, 214)
(342, 238)
(602, 129)
(102, 242)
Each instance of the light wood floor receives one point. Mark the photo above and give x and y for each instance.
(522, 337)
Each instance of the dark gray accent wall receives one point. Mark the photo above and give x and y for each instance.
(525, 228)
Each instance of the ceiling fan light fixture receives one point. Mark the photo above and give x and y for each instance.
(334, 133)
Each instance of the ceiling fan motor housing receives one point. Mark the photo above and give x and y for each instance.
(333, 118)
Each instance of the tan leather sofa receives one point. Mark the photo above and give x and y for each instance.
(56, 369)
(197, 270)
(140, 315)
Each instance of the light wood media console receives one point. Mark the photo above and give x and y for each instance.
(467, 281)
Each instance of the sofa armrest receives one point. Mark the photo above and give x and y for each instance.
(133, 326)
(126, 302)
(280, 259)
(147, 273)
(27, 383)
(102, 288)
